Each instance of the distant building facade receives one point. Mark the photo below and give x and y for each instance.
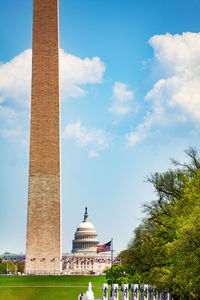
(84, 258)
(9, 256)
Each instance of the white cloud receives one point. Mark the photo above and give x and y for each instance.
(176, 95)
(75, 71)
(122, 98)
(15, 76)
(179, 56)
(93, 154)
(156, 117)
(15, 83)
(86, 137)
(135, 137)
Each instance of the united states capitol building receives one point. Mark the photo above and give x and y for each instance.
(83, 258)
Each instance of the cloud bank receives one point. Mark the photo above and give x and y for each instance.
(177, 93)
(15, 76)
(75, 72)
(180, 54)
(15, 83)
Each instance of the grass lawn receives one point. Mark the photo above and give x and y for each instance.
(48, 287)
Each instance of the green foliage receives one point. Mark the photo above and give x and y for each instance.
(165, 250)
(12, 267)
(3, 267)
(117, 274)
(20, 266)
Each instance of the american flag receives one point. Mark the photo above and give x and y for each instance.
(53, 259)
(33, 259)
(104, 248)
(42, 259)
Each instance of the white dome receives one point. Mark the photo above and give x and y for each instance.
(86, 226)
(85, 239)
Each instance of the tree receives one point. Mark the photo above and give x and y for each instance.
(117, 275)
(3, 267)
(165, 249)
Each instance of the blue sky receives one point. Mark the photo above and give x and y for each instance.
(129, 81)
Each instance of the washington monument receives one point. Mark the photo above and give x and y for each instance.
(43, 244)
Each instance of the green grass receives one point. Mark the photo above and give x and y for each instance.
(36, 287)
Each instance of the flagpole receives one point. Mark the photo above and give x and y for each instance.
(111, 273)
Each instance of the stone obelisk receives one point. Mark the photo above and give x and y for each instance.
(43, 244)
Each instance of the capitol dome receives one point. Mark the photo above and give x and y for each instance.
(85, 238)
